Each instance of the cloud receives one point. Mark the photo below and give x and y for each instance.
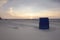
(50, 13)
(40, 4)
(10, 11)
(56, 0)
(43, 13)
(2, 2)
(8, 14)
(23, 8)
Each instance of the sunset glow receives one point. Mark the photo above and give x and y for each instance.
(29, 9)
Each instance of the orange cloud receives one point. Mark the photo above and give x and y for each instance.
(31, 15)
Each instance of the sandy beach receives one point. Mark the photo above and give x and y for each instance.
(28, 30)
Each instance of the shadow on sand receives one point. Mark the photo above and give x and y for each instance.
(51, 29)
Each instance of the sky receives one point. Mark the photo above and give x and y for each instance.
(29, 9)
